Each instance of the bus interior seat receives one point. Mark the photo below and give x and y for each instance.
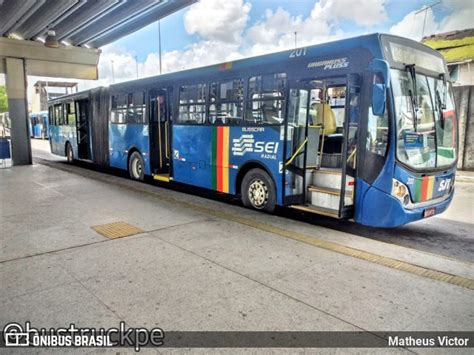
(326, 117)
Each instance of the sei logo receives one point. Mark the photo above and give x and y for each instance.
(444, 185)
(266, 147)
(247, 144)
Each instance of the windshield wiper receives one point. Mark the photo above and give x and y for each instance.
(440, 107)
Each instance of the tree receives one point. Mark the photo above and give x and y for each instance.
(3, 99)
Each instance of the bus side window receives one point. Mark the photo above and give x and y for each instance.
(51, 115)
(266, 99)
(226, 102)
(192, 104)
(130, 109)
(58, 113)
(65, 115)
(119, 108)
(71, 113)
(139, 105)
(113, 109)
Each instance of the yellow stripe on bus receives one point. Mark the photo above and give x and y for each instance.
(429, 194)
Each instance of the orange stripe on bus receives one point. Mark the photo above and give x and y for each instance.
(424, 188)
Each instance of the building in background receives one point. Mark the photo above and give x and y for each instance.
(457, 47)
(47, 90)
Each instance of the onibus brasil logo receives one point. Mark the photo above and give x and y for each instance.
(17, 335)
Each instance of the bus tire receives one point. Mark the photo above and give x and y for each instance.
(69, 153)
(258, 191)
(136, 166)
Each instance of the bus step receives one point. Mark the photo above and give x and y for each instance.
(332, 171)
(327, 197)
(317, 210)
(162, 177)
(326, 190)
(327, 178)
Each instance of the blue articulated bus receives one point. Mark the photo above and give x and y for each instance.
(39, 125)
(361, 129)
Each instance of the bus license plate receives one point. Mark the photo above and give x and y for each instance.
(429, 212)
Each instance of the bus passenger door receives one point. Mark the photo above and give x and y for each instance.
(83, 129)
(349, 149)
(159, 131)
(296, 139)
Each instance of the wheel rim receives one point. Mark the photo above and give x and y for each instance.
(69, 153)
(137, 168)
(258, 193)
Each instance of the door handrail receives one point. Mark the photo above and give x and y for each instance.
(167, 152)
(352, 154)
(297, 152)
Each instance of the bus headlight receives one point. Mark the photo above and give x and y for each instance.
(400, 191)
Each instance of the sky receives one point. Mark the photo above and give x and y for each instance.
(213, 31)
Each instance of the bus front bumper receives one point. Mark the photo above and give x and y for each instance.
(385, 211)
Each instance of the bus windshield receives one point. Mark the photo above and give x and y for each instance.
(425, 121)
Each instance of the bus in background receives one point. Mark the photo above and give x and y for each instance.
(5, 124)
(361, 129)
(39, 125)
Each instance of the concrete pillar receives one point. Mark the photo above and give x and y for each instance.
(18, 109)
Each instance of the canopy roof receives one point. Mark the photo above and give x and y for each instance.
(91, 23)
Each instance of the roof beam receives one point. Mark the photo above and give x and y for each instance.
(63, 62)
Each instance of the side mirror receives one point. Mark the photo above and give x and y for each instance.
(382, 69)
(378, 99)
(381, 74)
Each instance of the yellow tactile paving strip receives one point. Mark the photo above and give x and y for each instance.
(314, 241)
(117, 230)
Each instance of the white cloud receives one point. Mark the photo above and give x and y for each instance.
(277, 32)
(218, 20)
(198, 54)
(124, 66)
(365, 13)
(460, 15)
(411, 26)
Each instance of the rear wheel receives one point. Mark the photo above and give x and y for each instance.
(69, 154)
(136, 167)
(258, 190)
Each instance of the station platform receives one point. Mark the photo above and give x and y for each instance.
(195, 263)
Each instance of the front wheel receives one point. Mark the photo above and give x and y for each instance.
(136, 167)
(69, 154)
(258, 191)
